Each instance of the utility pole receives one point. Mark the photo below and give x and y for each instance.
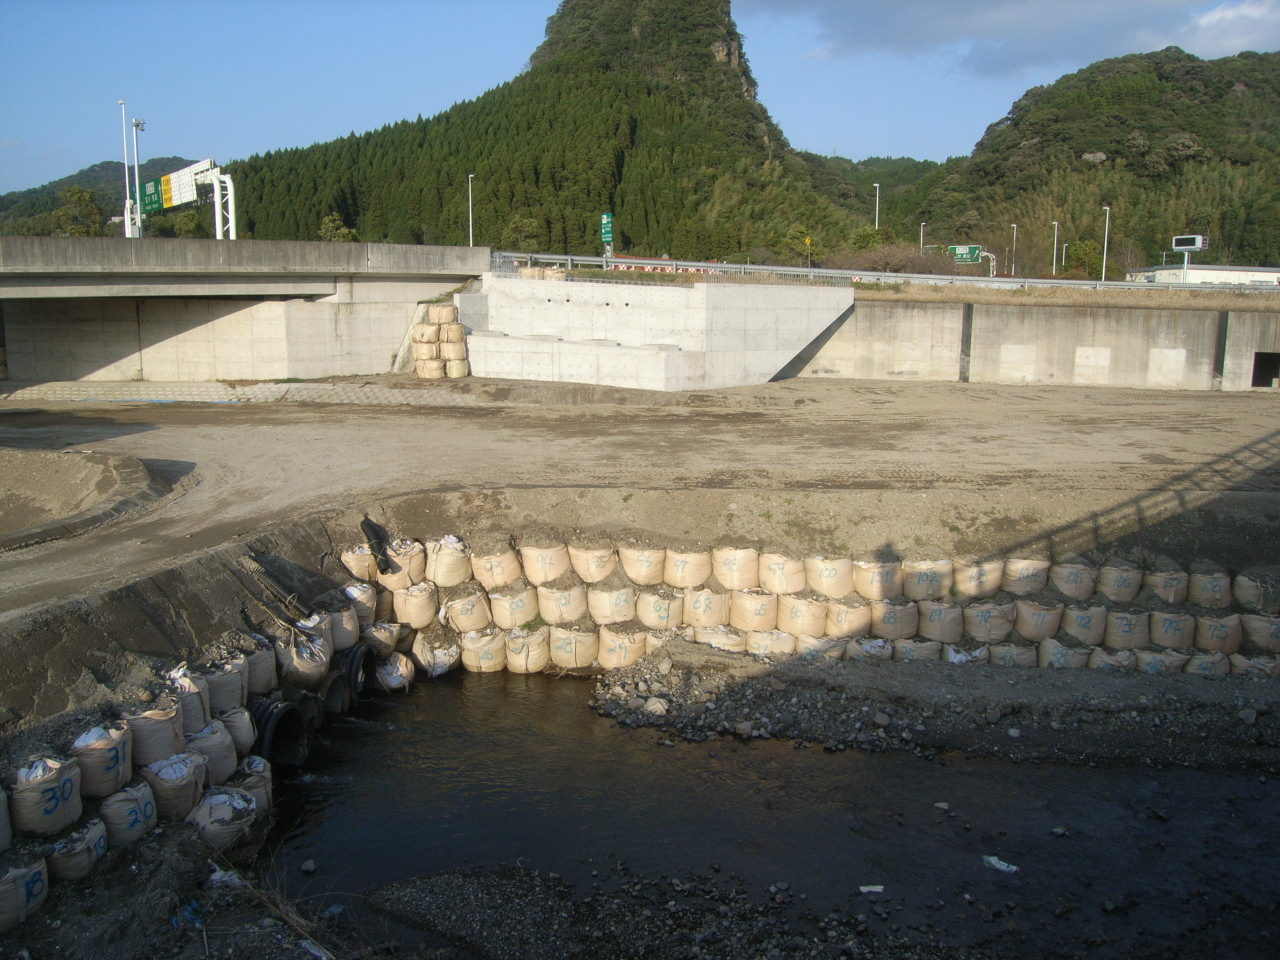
(1106, 242)
(922, 226)
(137, 177)
(471, 219)
(128, 201)
(1055, 248)
(877, 186)
(1013, 266)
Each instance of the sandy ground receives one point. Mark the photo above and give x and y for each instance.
(959, 467)
(41, 486)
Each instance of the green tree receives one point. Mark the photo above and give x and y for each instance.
(78, 215)
(522, 234)
(334, 230)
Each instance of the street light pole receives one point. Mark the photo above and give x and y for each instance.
(1055, 248)
(137, 178)
(128, 201)
(471, 220)
(1106, 242)
(877, 186)
(922, 226)
(1013, 267)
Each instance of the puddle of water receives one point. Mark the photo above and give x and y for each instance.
(483, 770)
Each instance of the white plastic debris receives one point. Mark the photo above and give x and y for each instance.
(997, 864)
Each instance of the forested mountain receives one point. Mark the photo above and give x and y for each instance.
(1174, 144)
(645, 108)
(28, 211)
(648, 109)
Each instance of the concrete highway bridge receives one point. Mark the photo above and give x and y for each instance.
(116, 309)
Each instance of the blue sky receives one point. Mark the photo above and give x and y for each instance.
(228, 79)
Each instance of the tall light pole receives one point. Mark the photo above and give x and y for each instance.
(877, 186)
(1106, 242)
(1013, 266)
(471, 219)
(922, 226)
(137, 178)
(128, 201)
(1055, 248)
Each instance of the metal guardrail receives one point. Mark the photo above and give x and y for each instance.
(634, 269)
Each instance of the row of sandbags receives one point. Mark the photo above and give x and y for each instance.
(440, 345)
(468, 607)
(449, 561)
(184, 756)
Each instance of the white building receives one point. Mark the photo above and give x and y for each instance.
(1197, 273)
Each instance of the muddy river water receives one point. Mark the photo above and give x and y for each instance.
(487, 770)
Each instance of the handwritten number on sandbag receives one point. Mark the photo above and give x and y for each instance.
(34, 886)
(100, 845)
(731, 564)
(680, 565)
(135, 818)
(115, 760)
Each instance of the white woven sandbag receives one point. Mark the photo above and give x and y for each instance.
(643, 565)
(46, 795)
(573, 648)
(176, 783)
(782, 575)
(224, 817)
(737, 568)
(214, 743)
(75, 855)
(156, 733)
(528, 651)
(105, 754)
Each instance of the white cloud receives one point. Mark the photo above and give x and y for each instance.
(1009, 36)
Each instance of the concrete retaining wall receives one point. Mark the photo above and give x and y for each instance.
(986, 343)
(645, 336)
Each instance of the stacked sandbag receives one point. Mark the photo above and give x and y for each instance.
(74, 856)
(484, 651)
(394, 674)
(737, 567)
(301, 661)
(128, 814)
(1038, 617)
(802, 614)
(574, 646)
(641, 563)
(494, 561)
(967, 653)
(708, 605)
(868, 648)
(1024, 576)
(381, 638)
(848, 618)
(544, 557)
(990, 620)
(416, 606)
(1062, 654)
(465, 608)
(563, 600)
(224, 817)
(253, 776)
(782, 574)
(427, 361)
(754, 610)
(725, 637)
(155, 733)
(815, 647)
(176, 783)
(1119, 580)
(435, 651)
(877, 578)
(1074, 576)
(895, 619)
(192, 692)
(686, 568)
(45, 799)
(1166, 579)
(447, 562)
(1257, 590)
(360, 562)
(449, 358)
(941, 620)
(528, 651)
(1084, 622)
(344, 620)
(916, 649)
(927, 579)
(513, 604)
(1209, 585)
(228, 685)
(239, 725)
(592, 559)
(261, 666)
(612, 599)
(621, 644)
(770, 643)
(214, 743)
(105, 755)
(23, 889)
(1014, 653)
(363, 598)
(660, 607)
(977, 578)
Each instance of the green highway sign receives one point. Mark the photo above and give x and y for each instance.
(967, 253)
(606, 227)
(153, 196)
